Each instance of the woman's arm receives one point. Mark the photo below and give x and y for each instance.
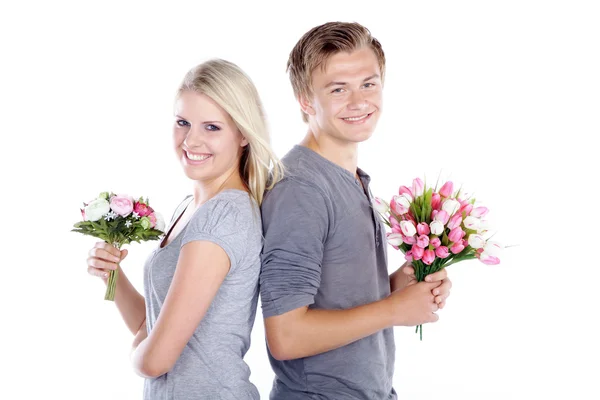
(201, 269)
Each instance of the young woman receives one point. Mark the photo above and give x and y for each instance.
(192, 325)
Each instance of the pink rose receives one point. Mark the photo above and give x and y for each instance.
(152, 219)
(142, 210)
(122, 204)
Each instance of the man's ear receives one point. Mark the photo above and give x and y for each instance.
(306, 105)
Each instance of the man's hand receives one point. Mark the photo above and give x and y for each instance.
(441, 292)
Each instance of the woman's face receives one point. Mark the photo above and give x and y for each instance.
(206, 140)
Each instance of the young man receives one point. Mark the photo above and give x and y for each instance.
(328, 302)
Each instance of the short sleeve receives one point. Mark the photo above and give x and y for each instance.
(295, 225)
(221, 222)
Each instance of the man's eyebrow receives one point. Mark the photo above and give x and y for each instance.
(368, 78)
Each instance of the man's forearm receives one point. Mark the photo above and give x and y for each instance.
(316, 331)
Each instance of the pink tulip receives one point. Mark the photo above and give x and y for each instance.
(405, 190)
(409, 239)
(396, 229)
(436, 201)
(417, 252)
(446, 190)
(417, 187)
(435, 242)
(408, 256)
(457, 248)
(423, 241)
(428, 256)
(466, 208)
(488, 259)
(442, 252)
(394, 222)
(423, 228)
(455, 221)
(465, 242)
(479, 212)
(456, 234)
(442, 216)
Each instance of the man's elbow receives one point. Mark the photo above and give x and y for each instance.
(282, 337)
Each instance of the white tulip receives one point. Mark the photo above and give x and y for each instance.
(476, 241)
(436, 227)
(451, 206)
(408, 228)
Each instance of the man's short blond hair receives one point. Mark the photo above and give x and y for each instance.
(319, 44)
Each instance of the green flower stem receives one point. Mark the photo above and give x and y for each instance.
(111, 286)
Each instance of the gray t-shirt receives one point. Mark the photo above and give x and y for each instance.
(325, 248)
(211, 365)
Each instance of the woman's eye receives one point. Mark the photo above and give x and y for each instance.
(211, 127)
(182, 122)
(368, 85)
(338, 90)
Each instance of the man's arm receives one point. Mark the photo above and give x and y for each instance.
(296, 224)
(305, 332)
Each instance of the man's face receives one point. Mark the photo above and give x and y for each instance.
(347, 96)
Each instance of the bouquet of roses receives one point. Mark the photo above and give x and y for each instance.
(437, 228)
(119, 220)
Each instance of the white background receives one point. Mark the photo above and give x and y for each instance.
(503, 97)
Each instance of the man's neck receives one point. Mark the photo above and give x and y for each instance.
(344, 154)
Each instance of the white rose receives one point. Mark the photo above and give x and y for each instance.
(96, 209)
(160, 222)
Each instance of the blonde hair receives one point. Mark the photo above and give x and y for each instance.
(227, 85)
(319, 44)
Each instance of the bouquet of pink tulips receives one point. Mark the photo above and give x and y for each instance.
(436, 228)
(119, 219)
